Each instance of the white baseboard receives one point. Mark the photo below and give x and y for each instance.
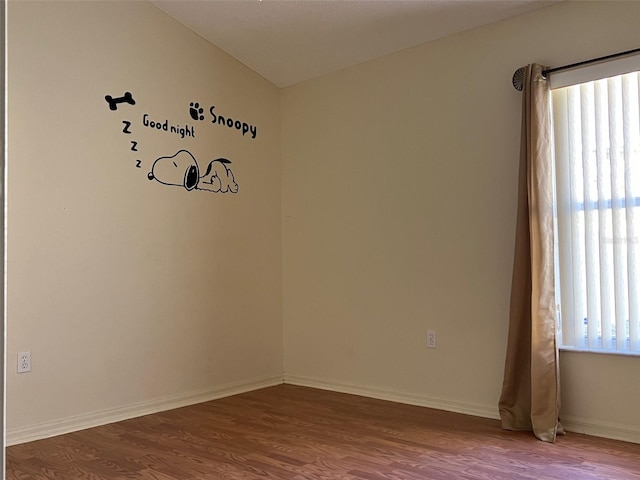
(94, 419)
(598, 428)
(80, 422)
(467, 408)
(592, 427)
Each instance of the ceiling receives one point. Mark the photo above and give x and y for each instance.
(289, 41)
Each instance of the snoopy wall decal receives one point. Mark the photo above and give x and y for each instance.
(182, 170)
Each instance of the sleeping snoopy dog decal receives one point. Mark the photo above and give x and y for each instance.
(182, 170)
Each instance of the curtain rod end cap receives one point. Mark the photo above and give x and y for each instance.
(518, 79)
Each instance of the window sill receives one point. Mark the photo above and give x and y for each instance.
(600, 352)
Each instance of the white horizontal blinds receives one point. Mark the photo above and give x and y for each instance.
(597, 143)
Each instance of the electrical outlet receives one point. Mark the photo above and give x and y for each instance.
(24, 362)
(431, 339)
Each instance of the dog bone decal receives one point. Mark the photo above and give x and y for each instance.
(113, 102)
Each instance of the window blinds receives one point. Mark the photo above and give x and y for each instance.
(597, 170)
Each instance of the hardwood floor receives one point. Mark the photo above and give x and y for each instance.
(294, 433)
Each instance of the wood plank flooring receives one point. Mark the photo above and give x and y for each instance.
(295, 433)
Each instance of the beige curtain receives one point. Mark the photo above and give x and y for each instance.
(530, 397)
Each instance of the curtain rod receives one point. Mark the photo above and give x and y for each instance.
(518, 76)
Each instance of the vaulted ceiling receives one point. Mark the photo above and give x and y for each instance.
(289, 41)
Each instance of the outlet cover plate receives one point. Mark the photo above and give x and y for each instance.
(431, 339)
(24, 362)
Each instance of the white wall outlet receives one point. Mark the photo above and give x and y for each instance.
(24, 362)
(431, 339)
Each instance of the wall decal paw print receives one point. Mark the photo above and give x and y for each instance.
(196, 111)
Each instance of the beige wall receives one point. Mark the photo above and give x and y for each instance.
(399, 191)
(131, 294)
(3, 345)
(394, 206)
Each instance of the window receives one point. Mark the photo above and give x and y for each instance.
(597, 174)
